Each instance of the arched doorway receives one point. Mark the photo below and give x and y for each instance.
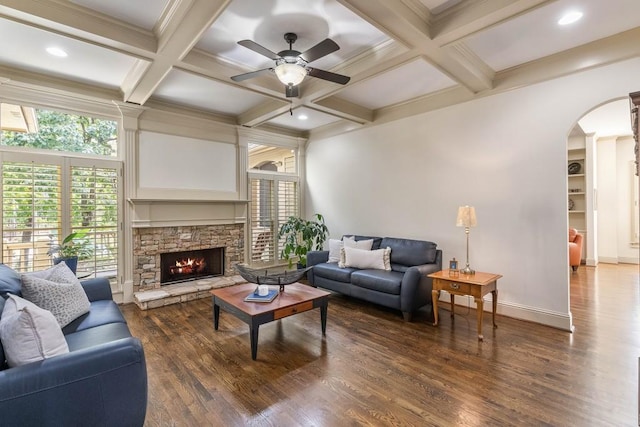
(605, 195)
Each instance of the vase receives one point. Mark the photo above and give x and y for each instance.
(72, 262)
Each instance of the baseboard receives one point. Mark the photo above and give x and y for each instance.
(557, 320)
(619, 260)
(563, 321)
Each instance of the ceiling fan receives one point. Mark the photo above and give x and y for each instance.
(291, 66)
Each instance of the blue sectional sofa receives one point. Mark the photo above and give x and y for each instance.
(406, 287)
(101, 381)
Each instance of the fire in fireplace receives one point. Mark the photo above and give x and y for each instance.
(188, 265)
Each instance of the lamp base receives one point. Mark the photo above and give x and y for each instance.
(467, 270)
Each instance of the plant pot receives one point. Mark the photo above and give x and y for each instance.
(71, 262)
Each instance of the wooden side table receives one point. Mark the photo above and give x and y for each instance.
(476, 285)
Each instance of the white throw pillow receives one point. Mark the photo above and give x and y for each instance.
(57, 290)
(29, 333)
(350, 242)
(379, 259)
(334, 250)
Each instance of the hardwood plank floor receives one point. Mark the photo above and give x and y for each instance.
(374, 369)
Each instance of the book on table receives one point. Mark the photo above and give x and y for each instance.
(255, 297)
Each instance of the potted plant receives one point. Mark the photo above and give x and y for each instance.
(72, 248)
(301, 236)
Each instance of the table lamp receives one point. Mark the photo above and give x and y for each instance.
(467, 219)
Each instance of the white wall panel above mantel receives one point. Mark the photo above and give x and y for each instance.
(174, 167)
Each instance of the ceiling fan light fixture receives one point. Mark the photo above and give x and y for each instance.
(290, 74)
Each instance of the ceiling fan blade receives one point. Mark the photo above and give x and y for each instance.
(250, 44)
(252, 74)
(291, 91)
(325, 47)
(328, 75)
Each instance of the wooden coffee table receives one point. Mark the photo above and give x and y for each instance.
(295, 299)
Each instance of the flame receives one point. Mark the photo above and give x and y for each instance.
(188, 266)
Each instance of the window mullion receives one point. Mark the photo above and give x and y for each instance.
(65, 208)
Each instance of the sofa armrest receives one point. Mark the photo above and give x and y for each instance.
(97, 289)
(416, 287)
(317, 257)
(101, 385)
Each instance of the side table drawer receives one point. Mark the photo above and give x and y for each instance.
(294, 309)
(452, 286)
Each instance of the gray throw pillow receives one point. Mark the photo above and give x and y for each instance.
(57, 290)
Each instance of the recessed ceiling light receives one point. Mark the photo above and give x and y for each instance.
(302, 117)
(56, 51)
(570, 17)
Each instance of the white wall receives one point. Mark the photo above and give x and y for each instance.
(505, 154)
(615, 200)
(625, 156)
(607, 201)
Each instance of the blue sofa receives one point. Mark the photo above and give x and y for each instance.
(406, 287)
(102, 381)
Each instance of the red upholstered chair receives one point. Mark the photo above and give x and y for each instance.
(575, 248)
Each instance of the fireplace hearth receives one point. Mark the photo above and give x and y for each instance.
(188, 265)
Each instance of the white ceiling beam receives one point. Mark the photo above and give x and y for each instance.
(80, 23)
(404, 25)
(345, 109)
(210, 66)
(470, 17)
(601, 52)
(265, 112)
(179, 39)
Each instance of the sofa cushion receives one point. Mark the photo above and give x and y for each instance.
(378, 280)
(9, 281)
(357, 238)
(410, 252)
(29, 333)
(101, 312)
(333, 272)
(97, 335)
(66, 301)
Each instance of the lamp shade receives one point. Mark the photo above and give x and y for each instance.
(290, 74)
(466, 217)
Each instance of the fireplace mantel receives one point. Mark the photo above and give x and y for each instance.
(187, 212)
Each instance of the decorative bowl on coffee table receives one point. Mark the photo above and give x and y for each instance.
(262, 277)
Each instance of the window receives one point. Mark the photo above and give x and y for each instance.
(31, 127)
(31, 199)
(36, 197)
(46, 196)
(280, 159)
(273, 200)
(94, 210)
(274, 197)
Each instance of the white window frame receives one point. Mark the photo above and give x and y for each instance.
(65, 162)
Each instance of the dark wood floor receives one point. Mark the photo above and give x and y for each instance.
(373, 369)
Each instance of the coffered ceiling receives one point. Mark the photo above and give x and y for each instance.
(403, 56)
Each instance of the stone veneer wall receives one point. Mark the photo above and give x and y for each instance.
(149, 243)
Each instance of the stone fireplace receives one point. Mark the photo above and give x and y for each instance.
(149, 243)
